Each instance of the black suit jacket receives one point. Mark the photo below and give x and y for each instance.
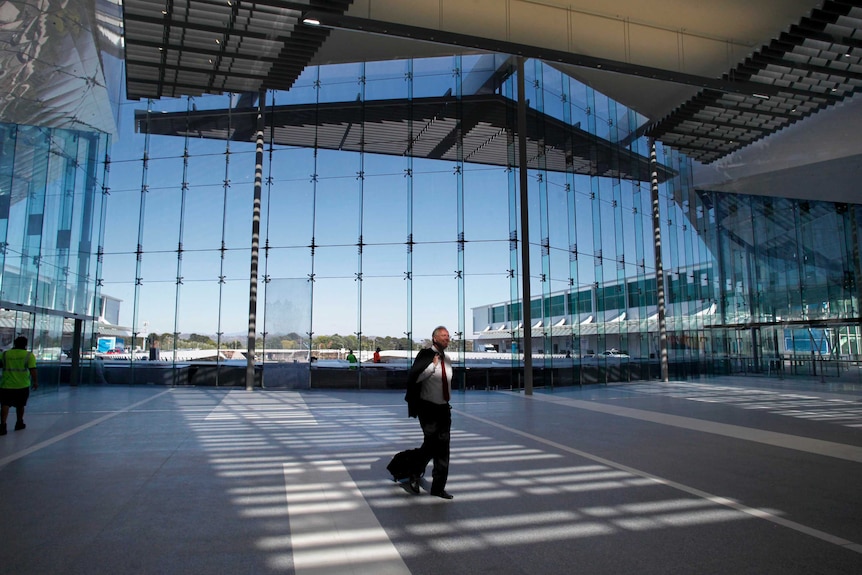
(414, 388)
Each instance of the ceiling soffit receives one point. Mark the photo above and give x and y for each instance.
(814, 65)
(810, 65)
(193, 47)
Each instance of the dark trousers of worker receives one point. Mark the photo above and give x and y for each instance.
(436, 422)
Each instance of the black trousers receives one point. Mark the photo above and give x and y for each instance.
(436, 422)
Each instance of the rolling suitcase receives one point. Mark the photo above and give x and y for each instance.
(404, 464)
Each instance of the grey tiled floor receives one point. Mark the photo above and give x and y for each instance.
(732, 475)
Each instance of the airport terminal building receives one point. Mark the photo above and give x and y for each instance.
(289, 171)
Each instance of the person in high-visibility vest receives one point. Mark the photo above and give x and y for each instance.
(19, 374)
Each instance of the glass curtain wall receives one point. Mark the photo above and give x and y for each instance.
(384, 215)
(48, 207)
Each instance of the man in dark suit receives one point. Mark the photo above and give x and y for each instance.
(428, 392)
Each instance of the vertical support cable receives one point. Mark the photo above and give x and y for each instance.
(541, 162)
(360, 244)
(751, 259)
(317, 88)
(598, 294)
(854, 295)
(255, 242)
(266, 246)
(461, 241)
(223, 246)
(618, 253)
(693, 259)
(513, 315)
(659, 270)
(100, 245)
(408, 276)
(573, 303)
(526, 330)
(636, 291)
(183, 199)
(139, 251)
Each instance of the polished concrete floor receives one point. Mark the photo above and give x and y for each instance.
(720, 476)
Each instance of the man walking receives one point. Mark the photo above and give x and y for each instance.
(19, 373)
(428, 391)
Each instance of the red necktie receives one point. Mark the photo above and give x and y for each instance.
(445, 380)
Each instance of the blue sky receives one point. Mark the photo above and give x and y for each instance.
(295, 208)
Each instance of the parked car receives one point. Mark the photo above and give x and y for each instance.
(614, 353)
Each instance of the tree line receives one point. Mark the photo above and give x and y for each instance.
(290, 341)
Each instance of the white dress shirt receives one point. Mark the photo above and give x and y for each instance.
(432, 380)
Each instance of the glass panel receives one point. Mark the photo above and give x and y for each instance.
(435, 289)
(384, 204)
(338, 200)
(340, 83)
(433, 77)
(288, 206)
(384, 311)
(287, 316)
(386, 80)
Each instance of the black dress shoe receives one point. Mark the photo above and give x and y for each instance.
(414, 484)
(443, 494)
